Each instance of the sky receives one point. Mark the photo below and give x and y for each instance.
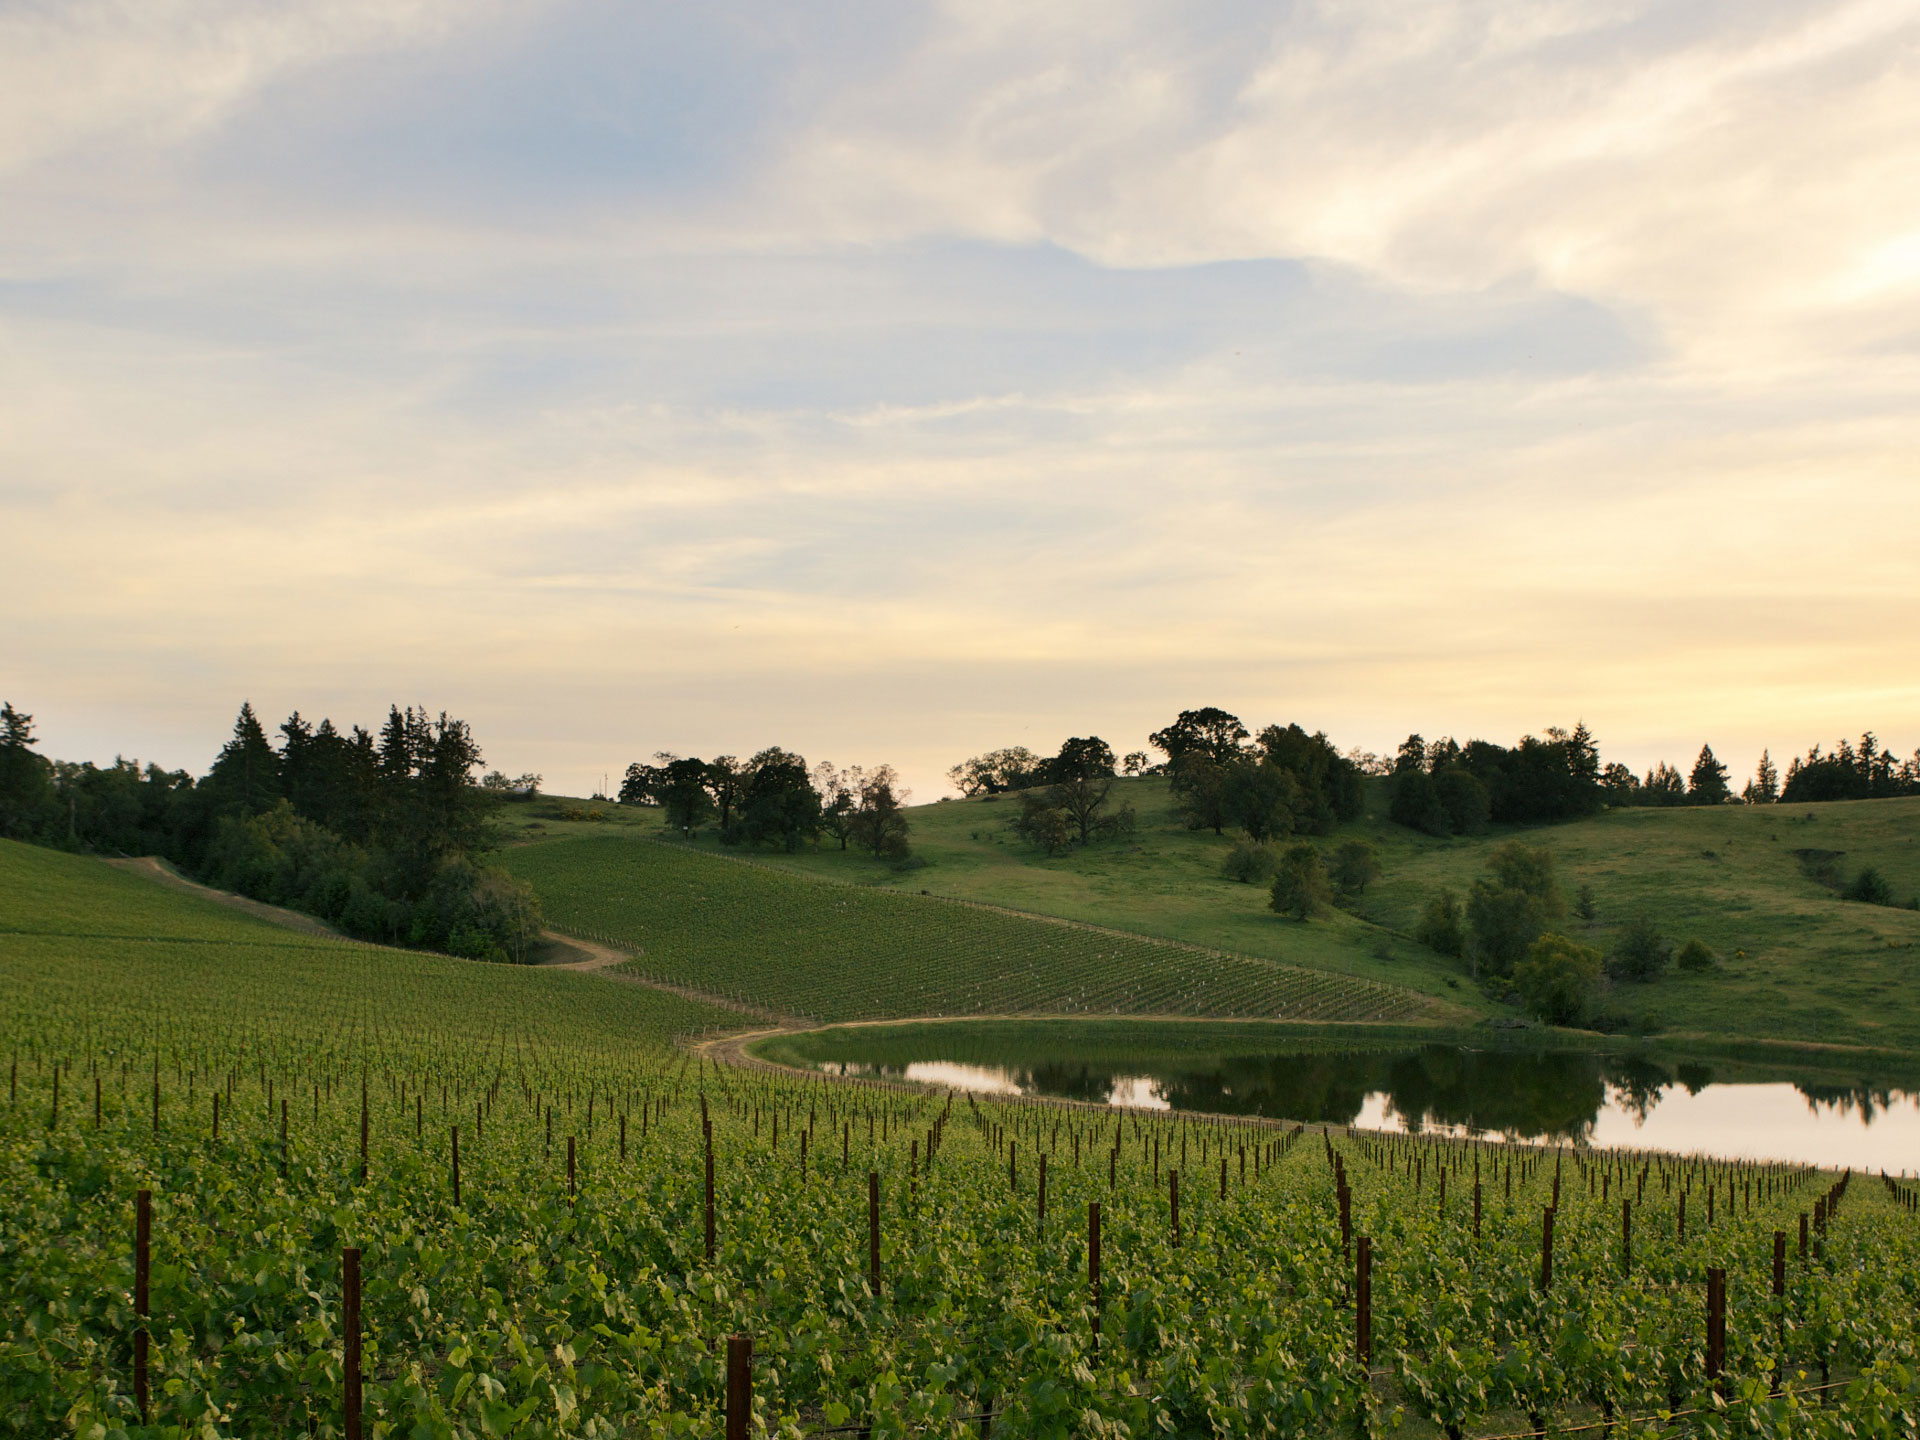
(893, 382)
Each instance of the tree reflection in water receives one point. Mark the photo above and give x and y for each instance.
(1461, 1088)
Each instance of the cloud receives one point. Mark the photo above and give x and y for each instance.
(910, 380)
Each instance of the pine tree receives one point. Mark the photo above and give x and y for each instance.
(1764, 788)
(25, 792)
(1708, 783)
(246, 775)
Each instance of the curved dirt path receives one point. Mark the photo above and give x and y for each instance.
(593, 956)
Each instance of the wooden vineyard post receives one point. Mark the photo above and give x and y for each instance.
(350, 1332)
(1546, 1250)
(709, 1197)
(1223, 1174)
(456, 1167)
(1717, 1328)
(1476, 1207)
(739, 1386)
(1363, 1302)
(142, 1265)
(1013, 1168)
(1779, 1307)
(1803, 1235)
(363, 1136)
(1093, 1265)
(1173, 1196)
(873, 1230)
(1626, 1236)
(216, 1106)
(1345, 1198)
(569, 1169)
(1680, 1215)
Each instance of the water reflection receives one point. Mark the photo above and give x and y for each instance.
(1604, 1100)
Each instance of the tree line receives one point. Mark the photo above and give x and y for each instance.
(774, 799)
(1443, 788)
(382, 834)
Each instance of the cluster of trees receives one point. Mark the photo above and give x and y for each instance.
(1306, 882)
(774, 799)
(1445, 788)
(1867, 771)
(381, 834)
(1662, 786)
(1018, 768)
(1509, 932)
(1065, 799)
(1279, 783)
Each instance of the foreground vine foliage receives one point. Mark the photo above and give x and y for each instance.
(569, 1290)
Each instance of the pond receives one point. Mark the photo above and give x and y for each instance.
(1808, 1106)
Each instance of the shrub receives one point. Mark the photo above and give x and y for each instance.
(1251, 862)
(1695, 956)
(1557, 978)
(1442, 926)
(1641, 952)
(1870, 887)
(1300, 887)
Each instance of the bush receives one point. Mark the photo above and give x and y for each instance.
(1300, 887)
(1557, 978)
(1442, 925)
(1870, 887)
(1251, 862)
(1695, 956)
(1641, 952)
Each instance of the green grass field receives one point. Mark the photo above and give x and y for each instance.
(1815, 968)
(559, 1217)
(79, 936)
(792, 944)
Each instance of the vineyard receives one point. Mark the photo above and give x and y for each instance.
(319, 1189)
(823, 951)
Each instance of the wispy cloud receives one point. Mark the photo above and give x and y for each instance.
(912, 380)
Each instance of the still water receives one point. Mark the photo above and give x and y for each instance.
(1638, 1100)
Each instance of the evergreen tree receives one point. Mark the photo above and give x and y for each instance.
(245, 778)
(25, 792)
(1708, 783)
(1764, 788)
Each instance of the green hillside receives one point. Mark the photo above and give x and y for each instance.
(1815, 967)
(840, 952)
(77, 935)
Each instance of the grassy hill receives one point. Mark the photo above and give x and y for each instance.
(841, 952)
(79, 937)
(1797, 961)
